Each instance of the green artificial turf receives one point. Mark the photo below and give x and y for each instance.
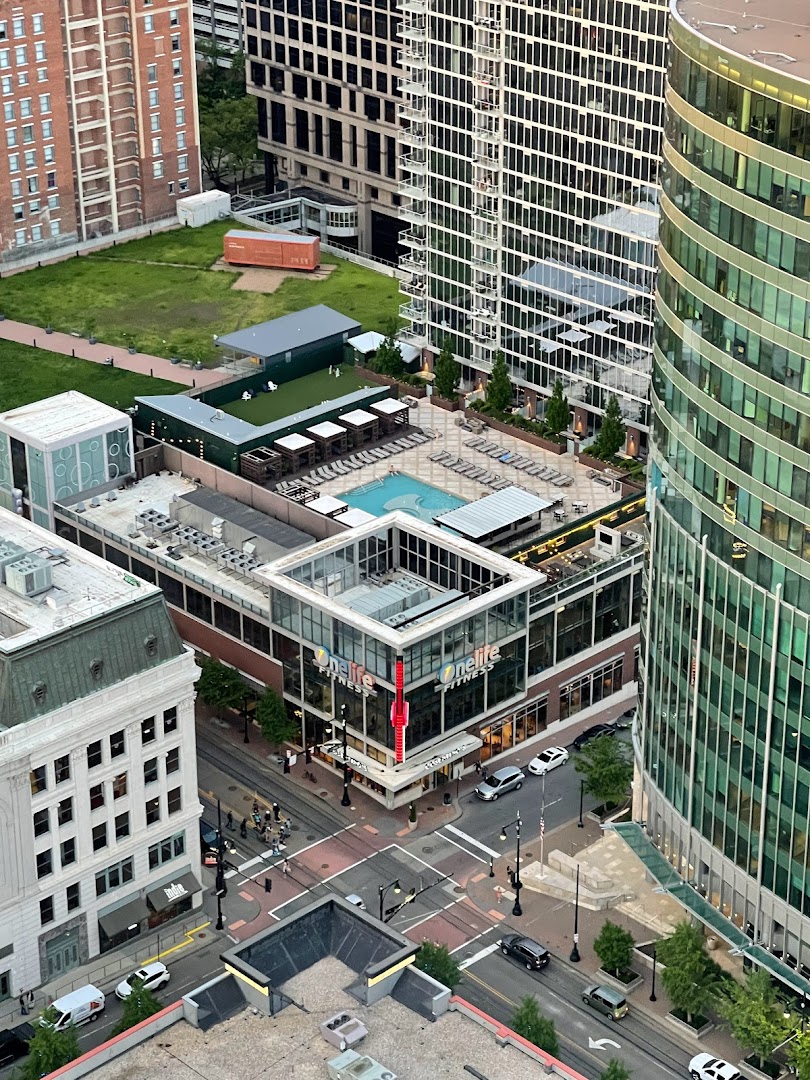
(28, 374)
(295, 396)
(171, 310)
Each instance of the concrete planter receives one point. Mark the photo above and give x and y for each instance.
(445, 403)
(626, 988)
(412, 825)
(403, 389)
(696, 1033)
(132, 350)
(174, 359)
(48, 329)
(753, 1073)
(92, 341)
(517, 433)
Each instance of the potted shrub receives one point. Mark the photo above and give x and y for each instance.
(48, 327)
(411, 817)
(90, 331)
(129, 340)
(614, 947)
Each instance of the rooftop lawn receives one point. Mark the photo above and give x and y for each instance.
(295, 396)
(176, 310)
(28, 374)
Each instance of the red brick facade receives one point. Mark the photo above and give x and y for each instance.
(100, 112)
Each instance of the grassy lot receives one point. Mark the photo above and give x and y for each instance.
(295, 396)
(28, 374)
(176, 310)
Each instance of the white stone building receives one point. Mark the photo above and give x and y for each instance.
(99, 837)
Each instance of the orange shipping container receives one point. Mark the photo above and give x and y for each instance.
(281, 250)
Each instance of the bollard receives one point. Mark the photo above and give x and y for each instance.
(492, 866)
(72, 352)
(268, 885)
(35, 342)
(151, 371)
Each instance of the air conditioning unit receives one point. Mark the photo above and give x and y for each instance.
(29, 576)
(353, 1066)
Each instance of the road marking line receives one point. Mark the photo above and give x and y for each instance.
(478, 956)
(436, 913)
(464, 944)
(405, 851)
(266, 856)
(244, 866)
(492, 990)
(466, 852)
(473, 841)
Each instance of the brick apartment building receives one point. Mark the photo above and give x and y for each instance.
(100, 117)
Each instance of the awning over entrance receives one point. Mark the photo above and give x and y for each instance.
(173, 891)
(673, 884)
(115, 922)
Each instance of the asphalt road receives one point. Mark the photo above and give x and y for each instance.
(497, 985)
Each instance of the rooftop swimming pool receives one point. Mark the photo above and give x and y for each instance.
(402, 492)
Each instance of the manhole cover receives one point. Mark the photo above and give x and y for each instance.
(324, 866)
(428, 850)
(310, 836)
(527, 855)
(323, 794)
(430, 809)
(459, 889)
(295, 828)
(246, 798)
(232, 787)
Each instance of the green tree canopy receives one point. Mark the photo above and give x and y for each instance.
(220, 75)
(271, 716)
(754, 1014)
(616, 1070)
(220, 686)
(139, 1005)
(798, 1051)
(607, 769)
(447, 371)
(558, 411)
(528, 1021)
(435, 960)
(614, 947)
(49, 1049)
(388, 360)
(690, 976)
(499, 385)
(612, 433)
(228, 138)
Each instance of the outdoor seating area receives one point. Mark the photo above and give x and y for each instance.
(393, 415)
(471, 471)
(520, 462)
(297, 452)
(302, 489)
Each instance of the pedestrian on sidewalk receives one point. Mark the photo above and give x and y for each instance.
(230, 821)
(285, 866)
(257, 821)
(477, 767)
(243, 829)
(23, 1004)
(276, 811)
(30, 1000)
(268, 819)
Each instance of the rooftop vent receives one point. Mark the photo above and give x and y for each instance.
(353, 1066)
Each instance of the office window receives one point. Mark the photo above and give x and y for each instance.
(44, 103)
(181, 140)
(183, 185)
(19, 210)
(170, 720)
(96, 796)
(25, 107)
(19, 237)
(28, 133)
(8, 110)
(157, 170)
(47, 129)
(148, 729)
(39, 780)
(67, 851)
(61, 769)
(11, 136)
(173, 847)
(151, 73)
(44, 863)
(119, 786)
(5, 59)
(152, 808)
(21, 55)
(42, 75)
(73, 897)
(177, 68)
(42, 822)
(174, 800)
(150, 771)
(118, 744)
(19, 27)
(56, 228)
(94, 755)
(30, 159)
(34, 206)
(39, 52)
(154, 99)
(3, 30)
(64, 811)
(182, 163)
(149, 24)
(175, 43)
(154, 122)
(180, 116)
(178, 92)
(100, 836)
(122, 825)
(38, 24)
(6, 83)
(173, 760)
(46, 911)
(114, 876)
(48, 155)
(157, 147)
(174, 18)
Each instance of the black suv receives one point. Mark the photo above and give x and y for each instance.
(598, 731)
(529, 953)
(14, 1043)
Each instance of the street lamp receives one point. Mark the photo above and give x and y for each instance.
(574, 957)
(581, 823)
(221, 887)
(543, 828)
(384, 889)
(346, 800)
(516, 909)
(652, 993)
(245, 711)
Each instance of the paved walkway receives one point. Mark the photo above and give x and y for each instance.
(157, 366)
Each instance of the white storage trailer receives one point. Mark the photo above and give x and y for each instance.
(197, 210)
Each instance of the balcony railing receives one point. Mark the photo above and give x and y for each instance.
(412, 240)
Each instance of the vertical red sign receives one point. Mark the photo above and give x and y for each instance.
(399, 712)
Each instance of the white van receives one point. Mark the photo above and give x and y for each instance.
(79, 1007)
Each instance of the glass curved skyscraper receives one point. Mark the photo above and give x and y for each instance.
(723, 741)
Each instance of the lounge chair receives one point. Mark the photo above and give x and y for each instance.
(474, 443)
(496, 452)
(534, 470)
(383, 452)
(437, 455)
(444, 458)
(340, 468)
(524, 463)
(476, 472)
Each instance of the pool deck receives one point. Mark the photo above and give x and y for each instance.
(585, 491)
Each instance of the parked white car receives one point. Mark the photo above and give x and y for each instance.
(547, 760)
(153, 976)
(706, 1067)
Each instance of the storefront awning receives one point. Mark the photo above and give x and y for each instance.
(401, 776)
(114, 922)
(173, 891)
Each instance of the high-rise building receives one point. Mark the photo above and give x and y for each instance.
(98, 773)
(218, 23)
(724, 740)
(531, 139)
(327, 76)
(100, 117)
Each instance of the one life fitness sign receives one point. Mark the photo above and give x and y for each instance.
(354, 676)
(455, 672)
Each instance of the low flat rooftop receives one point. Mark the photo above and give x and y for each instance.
(411, 1046)
(493, 513)
(294, 331)
(62, 418)
(84, 587)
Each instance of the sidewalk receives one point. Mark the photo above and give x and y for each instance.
(157, 366)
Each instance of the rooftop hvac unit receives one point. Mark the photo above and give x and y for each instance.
(133, 530)
(353, 1066)
(216, 527)
(9, 553)
(29, 576)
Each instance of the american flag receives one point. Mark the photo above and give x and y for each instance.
(542, 826)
